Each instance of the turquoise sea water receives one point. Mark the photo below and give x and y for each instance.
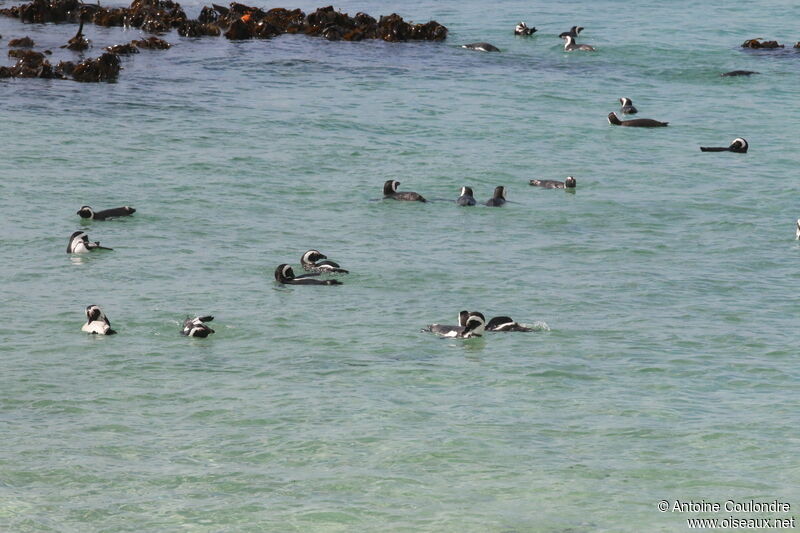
(663, 290)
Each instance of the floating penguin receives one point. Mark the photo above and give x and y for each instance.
(194, 327)
(474, 326)
(390, 191)
(450, 331)
(481, 47)
(466, 198)
(311, 263)
(738, 73)
(79, 244)
(284, 274)
(523, 29)
(568, 183)
(636, 122)
(570, 45)
(97, 322)
(627, 106)
(499, 197)
(86, 212)
(505, 323)
(573, 32)
(738, 145)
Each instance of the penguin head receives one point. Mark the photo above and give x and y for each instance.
(570, 182)
(738, 145)
(475, 325)
(462, 318)
(390, 187)
(283, 273)
(85, 212)
(500, 192)
(612, 119)
(466, 191)
(312, 256)
(625, 102)
(93, 313)
(576, 30)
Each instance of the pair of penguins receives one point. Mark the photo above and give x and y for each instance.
(738, 145)
(98, 323)
(473, 324)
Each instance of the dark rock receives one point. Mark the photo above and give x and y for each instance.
(104, 68)
(24, 42)
(151, 43)
(207, 15)
(123, 49)
(195, 28)
(758, 43)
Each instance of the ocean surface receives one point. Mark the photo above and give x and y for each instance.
(663, 291)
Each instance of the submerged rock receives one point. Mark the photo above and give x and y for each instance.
(23, 42)
(104, 68)
(151, 43)
(758, 43)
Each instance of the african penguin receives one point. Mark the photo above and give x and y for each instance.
(390, 191)
(573, 32)
(636, 122)
(570, 45)
(627, 106)
(481, 47)
(523, 29)
(311, 263)
(86, 212)
(194, 327)
(474, 326)
(738, 145)
(96, 322)
(568, 183)
(505, 323)
(499, 197)
(79, 244)
(466, 197)
(284, 274)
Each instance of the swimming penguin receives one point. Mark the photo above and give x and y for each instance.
(285, 274)
(504, 323)
(573, 32)
(570, 45)
(443, 330)
(627, 106)
(568, 183)
(466, 197)
(390, 191)
(739, 73)
(311, 263)
(738, 146)
(481, 47)
(86, 212)
(97, 322)
(499, 197)
(474, 326)
(523, 29)
(79, 244)
(194, 327)
(636, 122)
